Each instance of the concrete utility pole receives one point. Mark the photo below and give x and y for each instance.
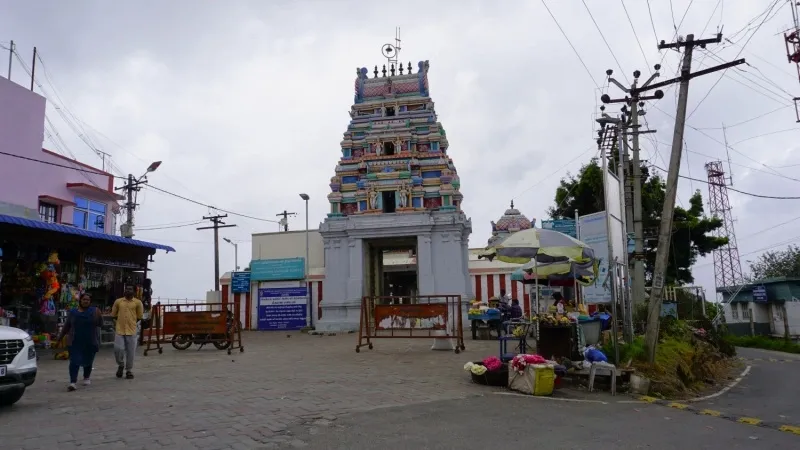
(633, 210)
(285, 219)
(218, 223)
(665, 231)
(133, 185)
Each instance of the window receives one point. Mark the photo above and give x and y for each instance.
(48, 213)
(388, 148)
(388, 201)
(735, 311)
(746, 312)
(389, 111)
(89, 215)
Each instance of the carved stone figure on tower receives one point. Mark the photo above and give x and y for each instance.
(373, 198)
(404, 193)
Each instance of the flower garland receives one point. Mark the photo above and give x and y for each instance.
(520, 362)
(476, 369)
(492, 363)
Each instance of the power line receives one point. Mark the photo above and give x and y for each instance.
(636, 36)
(589, 72)
(769, 247)
(736, 57)
(772, 197)
(770, 228)
(164, 191)
(169, 226)
(80, 169)
(748, 120)
(774, 172)
(739, 71)
(604, 40)
(652, 24)
(542, 180)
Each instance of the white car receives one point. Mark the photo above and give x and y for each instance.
(17, 364)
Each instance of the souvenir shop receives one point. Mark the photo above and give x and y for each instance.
(45, 267)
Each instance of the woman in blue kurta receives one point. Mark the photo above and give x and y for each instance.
(82, 339)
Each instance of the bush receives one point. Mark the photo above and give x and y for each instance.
(763, 342)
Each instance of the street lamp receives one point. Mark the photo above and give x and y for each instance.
(133, 185)
(305, 198)
(235, 252)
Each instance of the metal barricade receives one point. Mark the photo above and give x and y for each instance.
(184, 324)
(419, 317)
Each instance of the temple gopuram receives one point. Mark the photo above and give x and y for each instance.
(395, 189)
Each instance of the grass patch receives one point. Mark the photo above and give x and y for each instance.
(763, 342)
(684, 364)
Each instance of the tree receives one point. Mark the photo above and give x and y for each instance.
(774, 264)
(691, 236)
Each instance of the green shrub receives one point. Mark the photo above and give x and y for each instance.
(763, 342)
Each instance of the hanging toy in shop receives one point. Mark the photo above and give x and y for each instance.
(50, 277)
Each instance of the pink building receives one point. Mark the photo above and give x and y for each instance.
(36, 183)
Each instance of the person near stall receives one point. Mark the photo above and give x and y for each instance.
(515, 310)
(81, 330)
(558, 304)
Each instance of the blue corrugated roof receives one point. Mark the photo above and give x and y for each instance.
(59, 228)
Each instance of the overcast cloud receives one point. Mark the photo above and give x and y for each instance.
(246, 103)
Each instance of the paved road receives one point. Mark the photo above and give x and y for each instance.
(770, 392)
(207, 399)
(502, 421)
(318, 392)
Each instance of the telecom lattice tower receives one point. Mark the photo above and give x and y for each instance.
(727, 266)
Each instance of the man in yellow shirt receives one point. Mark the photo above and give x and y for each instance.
(127, 312)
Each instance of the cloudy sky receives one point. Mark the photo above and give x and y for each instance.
(246, 102)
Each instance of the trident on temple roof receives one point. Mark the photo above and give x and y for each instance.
(391, 52)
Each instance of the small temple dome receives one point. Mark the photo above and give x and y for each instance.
(511, 222)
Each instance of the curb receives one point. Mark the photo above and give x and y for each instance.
(752, 421)
(730, 386)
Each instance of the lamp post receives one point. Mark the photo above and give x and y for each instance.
(305, 198)
(235, 253)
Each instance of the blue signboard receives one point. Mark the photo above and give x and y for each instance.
(278, 269)
(759, 293)
(282, 308)
(240, 282)
(566, 226)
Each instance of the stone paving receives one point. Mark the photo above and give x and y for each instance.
(206, 399)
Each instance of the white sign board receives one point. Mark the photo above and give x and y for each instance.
(593, 233)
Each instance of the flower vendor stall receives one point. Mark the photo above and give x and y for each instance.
(484, 318)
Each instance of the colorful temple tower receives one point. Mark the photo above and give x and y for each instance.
(395, 187)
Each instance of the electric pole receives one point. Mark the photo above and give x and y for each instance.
(284, 222)
(633, 184)
(217, 224)
(133, 185)
(665, 231)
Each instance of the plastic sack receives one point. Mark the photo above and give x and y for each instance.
(594, 355)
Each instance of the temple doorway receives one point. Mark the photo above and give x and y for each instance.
(391, 269)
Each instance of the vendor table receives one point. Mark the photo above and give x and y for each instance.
(490, 321)
(558, 341)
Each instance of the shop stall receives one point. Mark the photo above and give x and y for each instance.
(46, 267)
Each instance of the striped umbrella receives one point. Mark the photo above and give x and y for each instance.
(582, 273)
(541, 246)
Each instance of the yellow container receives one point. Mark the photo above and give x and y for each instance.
(544, 379)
